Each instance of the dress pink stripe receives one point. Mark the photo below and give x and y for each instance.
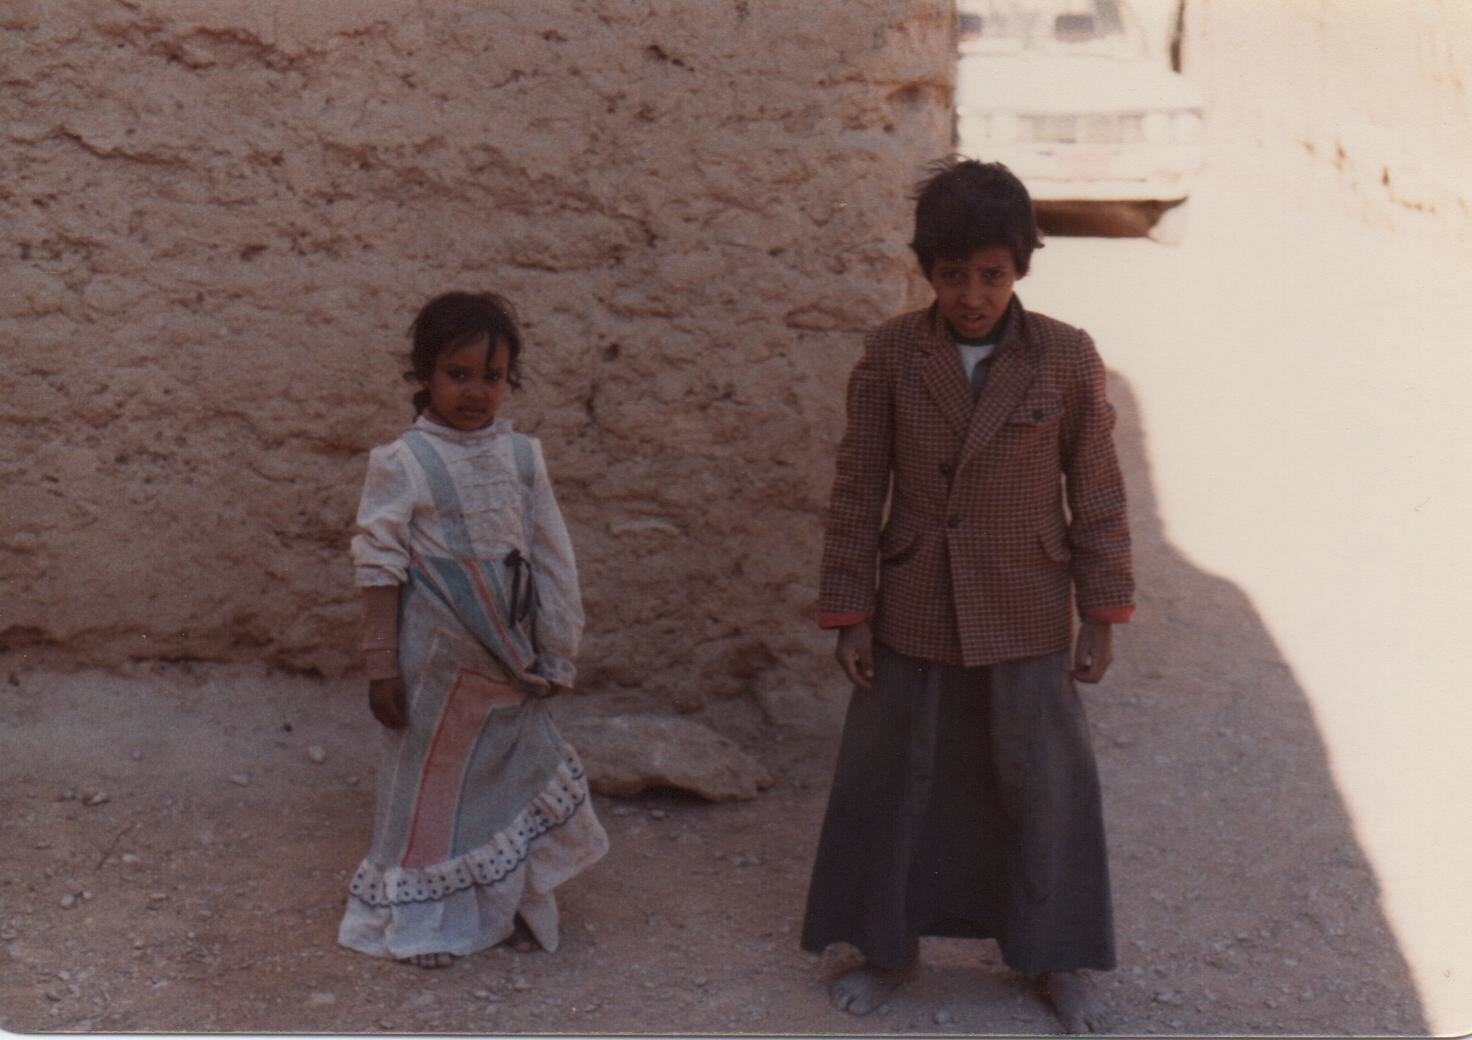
(432, 828)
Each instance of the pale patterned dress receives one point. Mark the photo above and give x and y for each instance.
(482, 808)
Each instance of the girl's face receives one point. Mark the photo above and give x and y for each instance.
(469, 383)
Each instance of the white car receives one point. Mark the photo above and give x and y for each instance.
(1069, 96)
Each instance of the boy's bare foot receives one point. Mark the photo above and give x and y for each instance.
(864, 988)
(428, 960)
(1072, 998)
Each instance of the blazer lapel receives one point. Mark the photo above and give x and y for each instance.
(944, 375)
(1012, 373)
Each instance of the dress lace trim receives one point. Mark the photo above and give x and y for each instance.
(489, 863)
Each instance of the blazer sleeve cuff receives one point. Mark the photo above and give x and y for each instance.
(833, 619)
(1108, 615)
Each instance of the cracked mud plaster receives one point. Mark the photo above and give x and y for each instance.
(222, 217)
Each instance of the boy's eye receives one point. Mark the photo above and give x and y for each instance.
(495, 375)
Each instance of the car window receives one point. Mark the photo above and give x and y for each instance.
(1103, 27)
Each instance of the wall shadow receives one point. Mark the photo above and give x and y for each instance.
(1242, 898)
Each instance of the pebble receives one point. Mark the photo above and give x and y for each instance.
(131, 858)
(483, 994)
(520, 984)
(241, 779)
(317, 753)
(622, 810)
(137, 944)
(157, 897)
(943, 1017)
(322, 999)
(8, 934)
(352, 781)
(136, 755)
(98, 798)
(658, 814)
(68, 901)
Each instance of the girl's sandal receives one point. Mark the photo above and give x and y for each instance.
(429, 960)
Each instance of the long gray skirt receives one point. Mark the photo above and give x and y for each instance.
(965, 804)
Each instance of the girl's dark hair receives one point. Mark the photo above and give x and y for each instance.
(452, 320)
(965, 205)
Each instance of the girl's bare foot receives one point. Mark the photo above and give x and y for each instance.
(521, 938)
(1072, 998)
(428, 960)
(864, 988)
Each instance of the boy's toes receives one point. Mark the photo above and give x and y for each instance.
(862, 990)
(1072, 997)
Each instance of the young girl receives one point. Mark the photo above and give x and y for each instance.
(471, 618)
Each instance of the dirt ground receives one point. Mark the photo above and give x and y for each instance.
(173, 854)
(173, 857)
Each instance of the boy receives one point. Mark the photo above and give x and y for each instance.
(966, 801)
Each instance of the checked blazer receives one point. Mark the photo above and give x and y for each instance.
(977, 558)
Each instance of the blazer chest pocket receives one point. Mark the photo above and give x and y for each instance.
(1037, 412)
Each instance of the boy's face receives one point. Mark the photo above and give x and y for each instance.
(469, 384)
(972, 294)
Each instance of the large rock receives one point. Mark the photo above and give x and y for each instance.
(626, 754)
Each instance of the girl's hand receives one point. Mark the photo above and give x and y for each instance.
(386, 701)
(855, 653)
(1093, 651)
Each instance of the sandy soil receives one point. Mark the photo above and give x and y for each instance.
(173, 856)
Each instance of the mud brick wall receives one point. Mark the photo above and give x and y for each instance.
(220, 217)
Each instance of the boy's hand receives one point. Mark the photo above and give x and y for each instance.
(1093, 651)
(386, 701)
(855, 653)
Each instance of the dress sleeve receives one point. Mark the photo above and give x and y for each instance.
(381, 546)
(559, 603)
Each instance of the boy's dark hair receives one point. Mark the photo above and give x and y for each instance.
(965, 205)
(452, 320)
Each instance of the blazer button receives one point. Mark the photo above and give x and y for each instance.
(1037, 415)
(954, 521)
(946, 468)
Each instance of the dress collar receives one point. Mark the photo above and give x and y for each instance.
(497, 428)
